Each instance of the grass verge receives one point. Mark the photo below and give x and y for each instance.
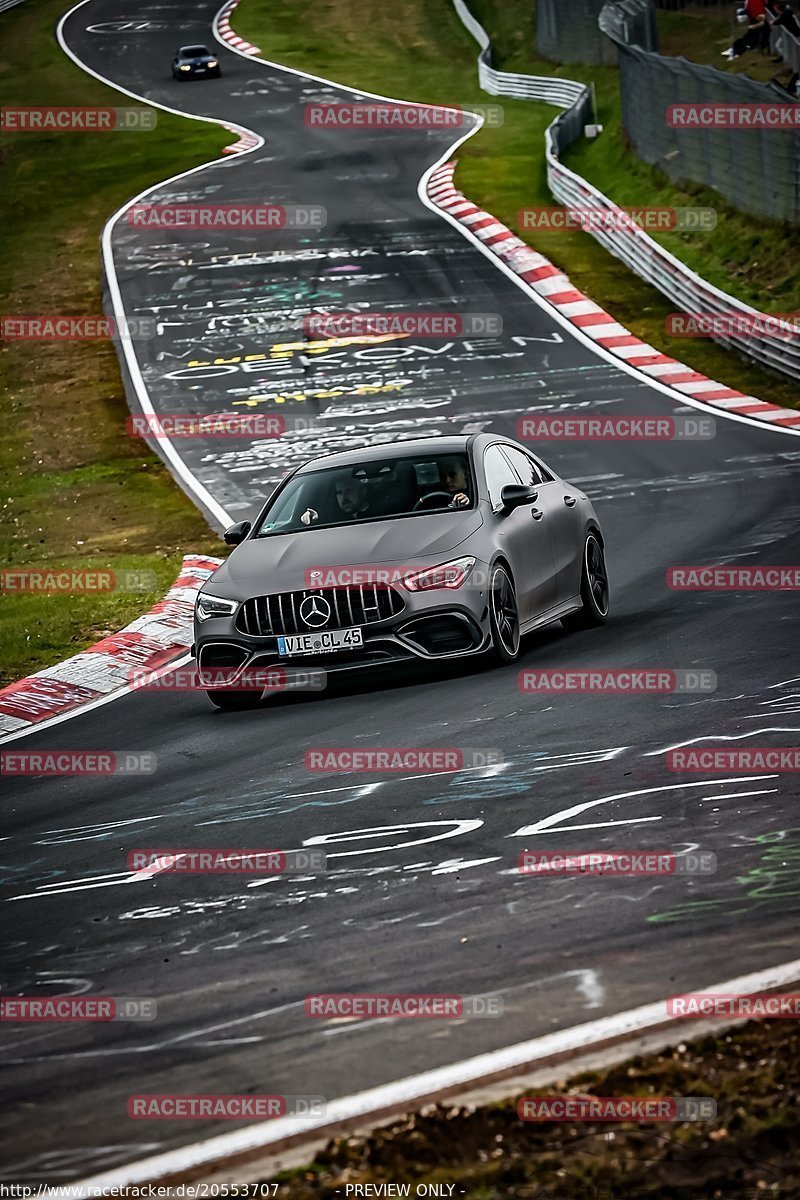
(748, 1150)
(420, 51)
(79, 493)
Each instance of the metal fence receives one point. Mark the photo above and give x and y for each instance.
(641, 253)
(567, 32)
(632, 22)
(786, 45)
(757, 170)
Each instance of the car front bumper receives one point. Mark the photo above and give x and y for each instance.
(432, 626)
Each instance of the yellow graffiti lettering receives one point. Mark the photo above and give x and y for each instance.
(323, 394)
(286, 349)
(219, 362)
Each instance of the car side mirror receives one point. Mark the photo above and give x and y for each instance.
(237, 533)
(515, 494)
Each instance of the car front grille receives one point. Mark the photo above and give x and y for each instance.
(271, 616)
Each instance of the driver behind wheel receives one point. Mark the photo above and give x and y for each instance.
(353, 498)
(454, 475)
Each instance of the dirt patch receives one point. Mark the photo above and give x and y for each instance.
(751, 1149)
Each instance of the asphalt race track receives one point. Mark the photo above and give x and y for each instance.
(421, 894)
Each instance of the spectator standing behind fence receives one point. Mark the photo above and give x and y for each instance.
(757, 34)
(780, 15)
(786, 19)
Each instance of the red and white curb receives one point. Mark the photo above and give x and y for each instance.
(152, 641)
(247, 141)
(225, 31)
(556, 288)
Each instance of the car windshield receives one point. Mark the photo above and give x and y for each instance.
(371, 490)
(193, 51)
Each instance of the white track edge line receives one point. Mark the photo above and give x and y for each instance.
(469, 1071)
(582, 1036)
(117, 694)
(190, 480)
(577, 332)
(192, 483)
(550, 309)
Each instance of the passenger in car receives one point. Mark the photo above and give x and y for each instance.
(454, 475)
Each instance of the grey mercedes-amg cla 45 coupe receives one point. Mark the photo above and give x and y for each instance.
(415, 551)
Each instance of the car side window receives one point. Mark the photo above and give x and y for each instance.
(498, 473)
(547, 476)
(525, 467)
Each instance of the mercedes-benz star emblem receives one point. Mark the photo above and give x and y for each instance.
(315, 611)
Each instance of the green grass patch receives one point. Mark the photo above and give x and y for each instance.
(418, 50)
(78, 491)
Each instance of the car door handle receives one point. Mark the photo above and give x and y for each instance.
(570, 501)
(537, 514)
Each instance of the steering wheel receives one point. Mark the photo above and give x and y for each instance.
(432, 500)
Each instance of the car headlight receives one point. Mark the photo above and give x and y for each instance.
(186, 67)
(214, 606)
(212, 62)
(446, 575)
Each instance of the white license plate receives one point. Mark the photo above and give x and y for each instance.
(313, 643)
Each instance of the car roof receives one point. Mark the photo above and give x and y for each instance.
(194, 48)
(391, 450)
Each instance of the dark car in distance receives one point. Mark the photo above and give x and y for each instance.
(195, 62)
(416, 551)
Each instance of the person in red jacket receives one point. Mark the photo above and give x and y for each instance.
(757, 30)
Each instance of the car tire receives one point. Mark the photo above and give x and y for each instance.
(594, 588)
(230, 701)
(503, 616)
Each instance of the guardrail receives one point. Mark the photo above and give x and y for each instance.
(786, 45)
(560, 92)
(641, 253)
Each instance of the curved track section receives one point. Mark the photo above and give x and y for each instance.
(421, 892)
